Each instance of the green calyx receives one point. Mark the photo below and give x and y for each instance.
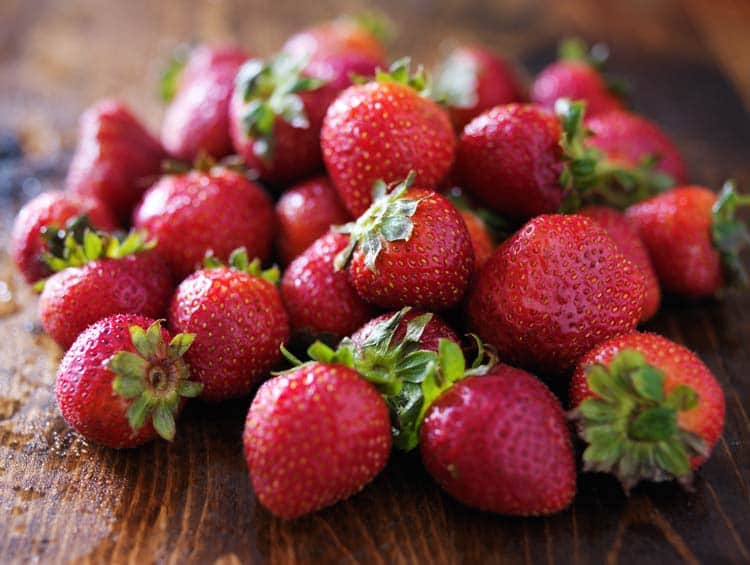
(387, 219)
(631, 425)
(238, 261)
(455, 82)
(154, 378)
(589, 177)
(729, 234)
(399, 73)
(375, 23)
(270, 90)
(170, 74)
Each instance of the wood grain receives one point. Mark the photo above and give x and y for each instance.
(190, 502)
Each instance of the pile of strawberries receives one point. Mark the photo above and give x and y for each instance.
(391, 192)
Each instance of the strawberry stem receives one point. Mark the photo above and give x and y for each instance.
(729, 234)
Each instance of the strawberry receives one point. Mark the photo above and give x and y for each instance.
(618, 228)
(472, 79)
(116, 158)
(577, 75)
(215, 209)
(337, 71)
(314, 436)
(484, 226)
(647, 408)
(124, 381)
(317, 297)
(499, 442)
(383, 130)
(554, 290)
(434, 330)
(410, 248)
(693, 238)
(197, 119)
(240, 322)
(40, 219)
(304, 213)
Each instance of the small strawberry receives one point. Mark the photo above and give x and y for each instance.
(116, 159)
(693, 238)
(216, 209)
(123, 381)
(554, 290)
(410, 248)
(648, 409)
(304, 213)
(434, 330)
(617, 227)
(240, 322)
(39, 221)
(383, 130)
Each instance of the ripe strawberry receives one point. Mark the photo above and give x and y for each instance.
(116, 159)
(318, 298)
(40, 219)
(410, 248)
(693, 238)
(618, 228)
(383, 130)
(336, 71)
(197, 119)
(499, 442)
(217, 209)
(481, 238)
(314, 436)
(648, 409)
(240, 322)
(434, 330)
(472, 79)
(99, 277)
(304, 213)
(554, 290)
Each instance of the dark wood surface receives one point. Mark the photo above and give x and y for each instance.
(63, 500)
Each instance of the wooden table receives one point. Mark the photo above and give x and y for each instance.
(190, 501)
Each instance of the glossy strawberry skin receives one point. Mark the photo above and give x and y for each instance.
(315, 436)
(336, 70)
(430, 271)
(384, 131)
(83, 386)
(116, 159)
(76, 297)
(620, 230)
(510, 159)
(481, 239)
(239, 322)
(218, 210)
(336, 37)
(435, 330)
(680, 366)
(500, 442)
(676, 229)
(53, 208)
(197, 120)
(304, 213)
(552, 291)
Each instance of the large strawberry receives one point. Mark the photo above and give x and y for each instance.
(123, 381)
(240, 321)
(216, 209)
(116, 159)
(383, 130)
(647, 407)
(410, 248)
(554, 290)
(37, 225)
(693, 238)
(102, 276)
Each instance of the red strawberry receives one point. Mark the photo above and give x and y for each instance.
(314, 436)
(434, 330)
(554, 290)
(197, 119)
(116, 159)
(481, 238)
(38, 221)
(472, 79)
(240, 321)
(410, 248)
(217, 210)
(123, 381)
(304, 213)
(648, 409)
(618, 228)
(336, 71)
(383, 130)
(500, 442)
(101, 277)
